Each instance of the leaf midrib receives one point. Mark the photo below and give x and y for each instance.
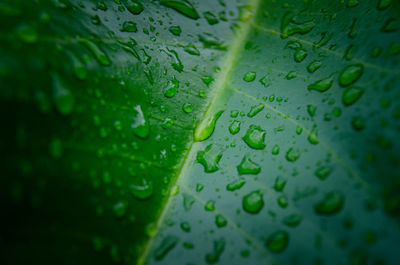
(219, 86)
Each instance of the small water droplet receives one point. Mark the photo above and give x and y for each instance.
(220, 220)
(129, 26)
(291, 24)
(321, 85)
(218, 248)
(255, 110)
(313, 136)
(278, 241)
(351, 95)
(210, 206)
(133, 6)
(210, 17)
(314, 66)
(234, 128)
(331, 204)
(172, 88)
(249, 76)
(166, 245)
(236, 184)
(247, 166)
(323, 172)
(350, 74)
(253, 202)
(142, 191)
(352, 3)
(292, 154)
(293, 220)
(175, 30)
(63, 99)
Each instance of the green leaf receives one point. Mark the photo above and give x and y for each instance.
(200, 132)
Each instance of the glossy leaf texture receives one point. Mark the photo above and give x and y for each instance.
(99, 101)
(200, 132)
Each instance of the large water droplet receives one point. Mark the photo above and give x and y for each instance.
(140, 124)
(253, 202)
(350, 74)
(134, 6)
(292, 24)
(331, 204)
(247, 166)
(234, 128)
(142, 191)
(292, 154)
(206, 128)
(182, 6)
(255, 137)
(321, 85)
(351, 95)
(255, 110)
(209, 158)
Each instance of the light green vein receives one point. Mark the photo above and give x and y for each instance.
(217, 89)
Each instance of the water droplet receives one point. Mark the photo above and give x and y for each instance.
(100, 56)
(282, 201)
(187, 108)
(206, 128)
(314, 66)
(63, 99)
(383, 4)
(321, 85)
(255, 137)
(293, 220)
(331, 204)
(210, 17)
(176, 30)
(234, 113)
(182, 6)
(291, 75)
(247, 166)
(311, 110)
(43, 102)
(166, 245)
(358, 123)
(391, 25)
(119, 209)
(219, 246)
(192, 50)
(234, 128)
(236, 184)
(280, 183)
(140, 124)
(220, 220)
(265, 81)
(300, 55)
(253, 202)
(210, 206)
(142, 191)
(27, 33)
(292, 154)
(255, 110)
(129, 26)
(185, 226)
(323, 172)
(209, 158)
(133, 6)
(313, 136)
(350, 74)
(353, 29)
(292, 24)
(249, 76)
(278, 241)
(172, 88)
(352, 3)
(351, 95)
